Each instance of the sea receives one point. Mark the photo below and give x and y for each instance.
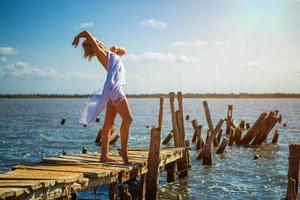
(30, 129)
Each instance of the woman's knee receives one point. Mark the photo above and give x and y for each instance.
(128, 119)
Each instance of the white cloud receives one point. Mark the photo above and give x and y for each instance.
(23, 70)
(82, 75)
(155, 24)
(251, 64)
(86, 25)
(157, 56)
(222, 43)
(200, 43)
(3, 59)
(182, 43)
(8, 51)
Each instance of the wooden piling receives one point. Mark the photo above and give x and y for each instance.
(242, 125)
(174, 121)
(153, 165)
(113, 191)
(206, 154)
(170, 168)
(167, 139)
(208, 117)
(238, 135)
(219, 135)
(98, 138)
(231, 136)
(180, 118)
(200, 142)
(247, 126)
(251, 132)
(291, 190)
(182, 165)
(293, 171)
(229, 119)
(114, 139)
(142, 192)
(195, 126)
(207, 135)
(275, 137)
(222, 146)
(160, 115)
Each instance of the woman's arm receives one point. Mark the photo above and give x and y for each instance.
(100, 50)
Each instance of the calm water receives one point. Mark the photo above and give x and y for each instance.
(30, 129)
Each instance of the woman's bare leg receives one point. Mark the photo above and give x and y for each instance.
(105, 133)
(124, 111)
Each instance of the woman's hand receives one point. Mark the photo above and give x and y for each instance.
(75, 41)
(83, 34)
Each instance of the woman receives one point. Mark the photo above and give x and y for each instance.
(112, 96)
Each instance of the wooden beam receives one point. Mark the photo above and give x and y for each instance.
(153, 165)
(229, 119)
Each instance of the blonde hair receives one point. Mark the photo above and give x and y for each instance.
(88, 52)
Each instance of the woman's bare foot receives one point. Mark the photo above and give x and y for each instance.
(107, 159)
(124, 157)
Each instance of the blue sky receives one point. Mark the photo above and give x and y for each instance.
(192, 46)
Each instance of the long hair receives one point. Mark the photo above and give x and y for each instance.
(88, 52)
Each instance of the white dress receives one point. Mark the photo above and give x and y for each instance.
(112, 90)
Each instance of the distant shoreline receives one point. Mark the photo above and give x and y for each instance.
(185, 95)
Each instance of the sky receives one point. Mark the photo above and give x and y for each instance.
(215, 46)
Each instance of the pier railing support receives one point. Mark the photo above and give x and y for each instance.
(153, 165)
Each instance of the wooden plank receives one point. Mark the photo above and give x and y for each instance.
(208, 117)
(88, 172)
(61, 177)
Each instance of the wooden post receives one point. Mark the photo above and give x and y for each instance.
(195, 126)
(180, 118)
(291, 190)
(98, 138)
(238, 135)
(247, 126)
(113, 191)
(160, 115)
(250, 133)
(231, 136)
(153, 165)
(242, 125)
(200, 142)
(124, 193)
(174, 120)
(229, 119)
(275, 137)
(170, 168)
(208, 117)
(206, 154)
(187, 146)
(293, 171)
(215, 131)
(168, 138)
(206, 151)
(142, 193)
(207, 135)
(114, 140)
(222, 146)
(219, 136)
(178, 137)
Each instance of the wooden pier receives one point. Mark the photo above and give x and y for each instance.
(63, 176)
